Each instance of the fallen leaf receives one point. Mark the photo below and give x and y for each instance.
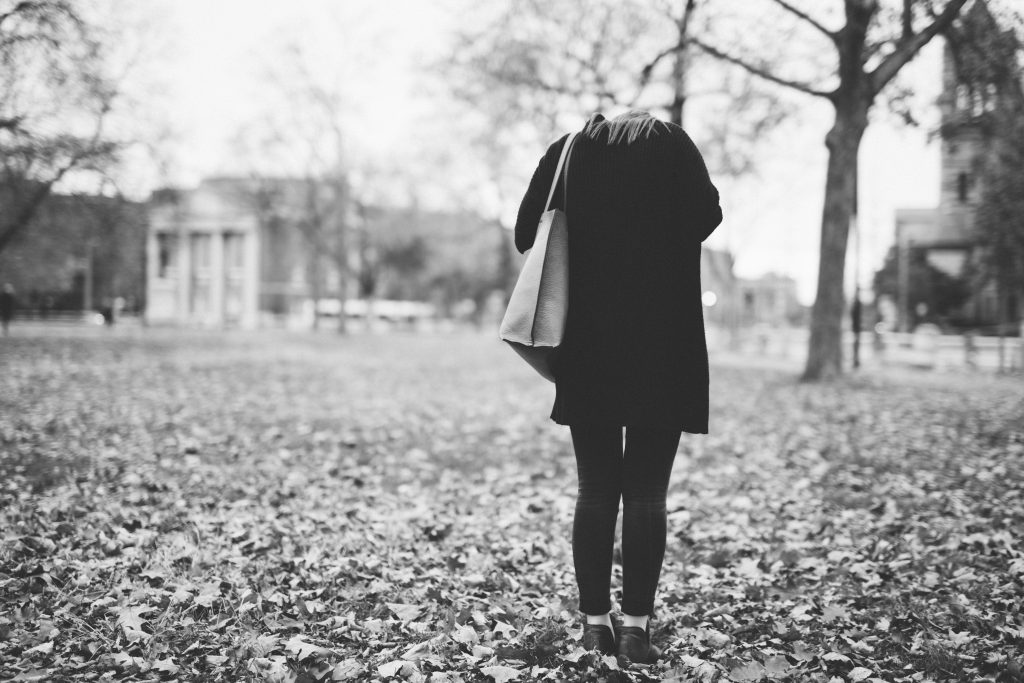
(42, 648)
(751, 671)
(302, 648)
(392, 668)
(346, 670)
(405, 613)
(465, 634)
(835, 657)
(500, 674)
(166, 665)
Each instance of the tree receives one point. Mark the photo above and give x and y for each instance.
(304, 134)
(54, 98)
(518, 73)
(869, 49)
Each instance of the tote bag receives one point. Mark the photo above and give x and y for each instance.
(534, 321)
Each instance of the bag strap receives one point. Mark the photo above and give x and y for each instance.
(558, 169)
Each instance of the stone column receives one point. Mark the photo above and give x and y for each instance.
(184, 275)
(217, 276)
(251, 277)
(152, 270)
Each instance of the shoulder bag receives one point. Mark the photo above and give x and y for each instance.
(534, 321)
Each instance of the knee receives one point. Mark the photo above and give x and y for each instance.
(598, 497)
(643, 497)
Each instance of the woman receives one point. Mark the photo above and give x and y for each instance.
(639, 203)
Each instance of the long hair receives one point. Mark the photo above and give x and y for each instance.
(628, 127)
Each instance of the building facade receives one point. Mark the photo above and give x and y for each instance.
(202, 253)
(946, 235)
(240, 252)
(771, 300)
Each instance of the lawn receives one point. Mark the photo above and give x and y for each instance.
(292, 507)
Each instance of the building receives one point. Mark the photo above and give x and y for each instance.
(203, 252)
(771, 300)
(946, 234)
(245, 252)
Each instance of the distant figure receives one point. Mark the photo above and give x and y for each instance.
(639, 203)
(6, 306)
(107, 311)
(856, 319)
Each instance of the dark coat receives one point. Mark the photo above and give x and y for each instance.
(638, 208)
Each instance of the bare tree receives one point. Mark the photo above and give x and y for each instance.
(304, 137)
(519, 71)
(54, 99)
(870, 48)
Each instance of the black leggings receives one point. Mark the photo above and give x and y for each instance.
(640, 476)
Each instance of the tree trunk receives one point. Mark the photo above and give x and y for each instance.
(678, 88)
(1020, 338)
(341, 263)
(825, 355)
(342, 296)
(680, 64)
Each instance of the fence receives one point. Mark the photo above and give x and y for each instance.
(925, 349)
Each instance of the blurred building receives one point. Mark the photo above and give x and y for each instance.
(81, 252)
(202, 255)
(945, 235)
(241, 252)
(770, 300)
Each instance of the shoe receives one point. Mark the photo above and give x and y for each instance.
(598, 637)
(634, 645)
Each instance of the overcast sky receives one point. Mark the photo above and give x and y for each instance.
(214, 79)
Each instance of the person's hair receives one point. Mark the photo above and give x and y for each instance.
(629, 127)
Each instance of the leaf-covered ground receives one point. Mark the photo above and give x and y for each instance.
(184, 506)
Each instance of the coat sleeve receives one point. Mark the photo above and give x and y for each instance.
(700, 196)
(532, 206)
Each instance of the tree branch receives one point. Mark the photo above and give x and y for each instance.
(12, 124)
(17, 9)
(645, 73)
(683, 26)
(907, 48)
(804, 16)
(28, 210)
(760, 71)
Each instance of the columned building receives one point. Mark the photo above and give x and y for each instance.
(203, 257)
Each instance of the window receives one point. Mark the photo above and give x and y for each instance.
(963, 97)
(961, 187)
(991, 97)
(234, 253)
(167, 255)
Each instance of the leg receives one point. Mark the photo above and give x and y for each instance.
(599, 466)
(647, 466)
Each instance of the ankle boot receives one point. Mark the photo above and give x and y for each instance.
(598, 637)
(634, 645)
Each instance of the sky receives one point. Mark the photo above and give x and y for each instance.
(213, 81)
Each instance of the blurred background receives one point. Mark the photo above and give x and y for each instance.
(356, 166)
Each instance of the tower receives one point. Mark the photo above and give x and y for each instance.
(979, 73)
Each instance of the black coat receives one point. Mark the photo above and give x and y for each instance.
(638, 208)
